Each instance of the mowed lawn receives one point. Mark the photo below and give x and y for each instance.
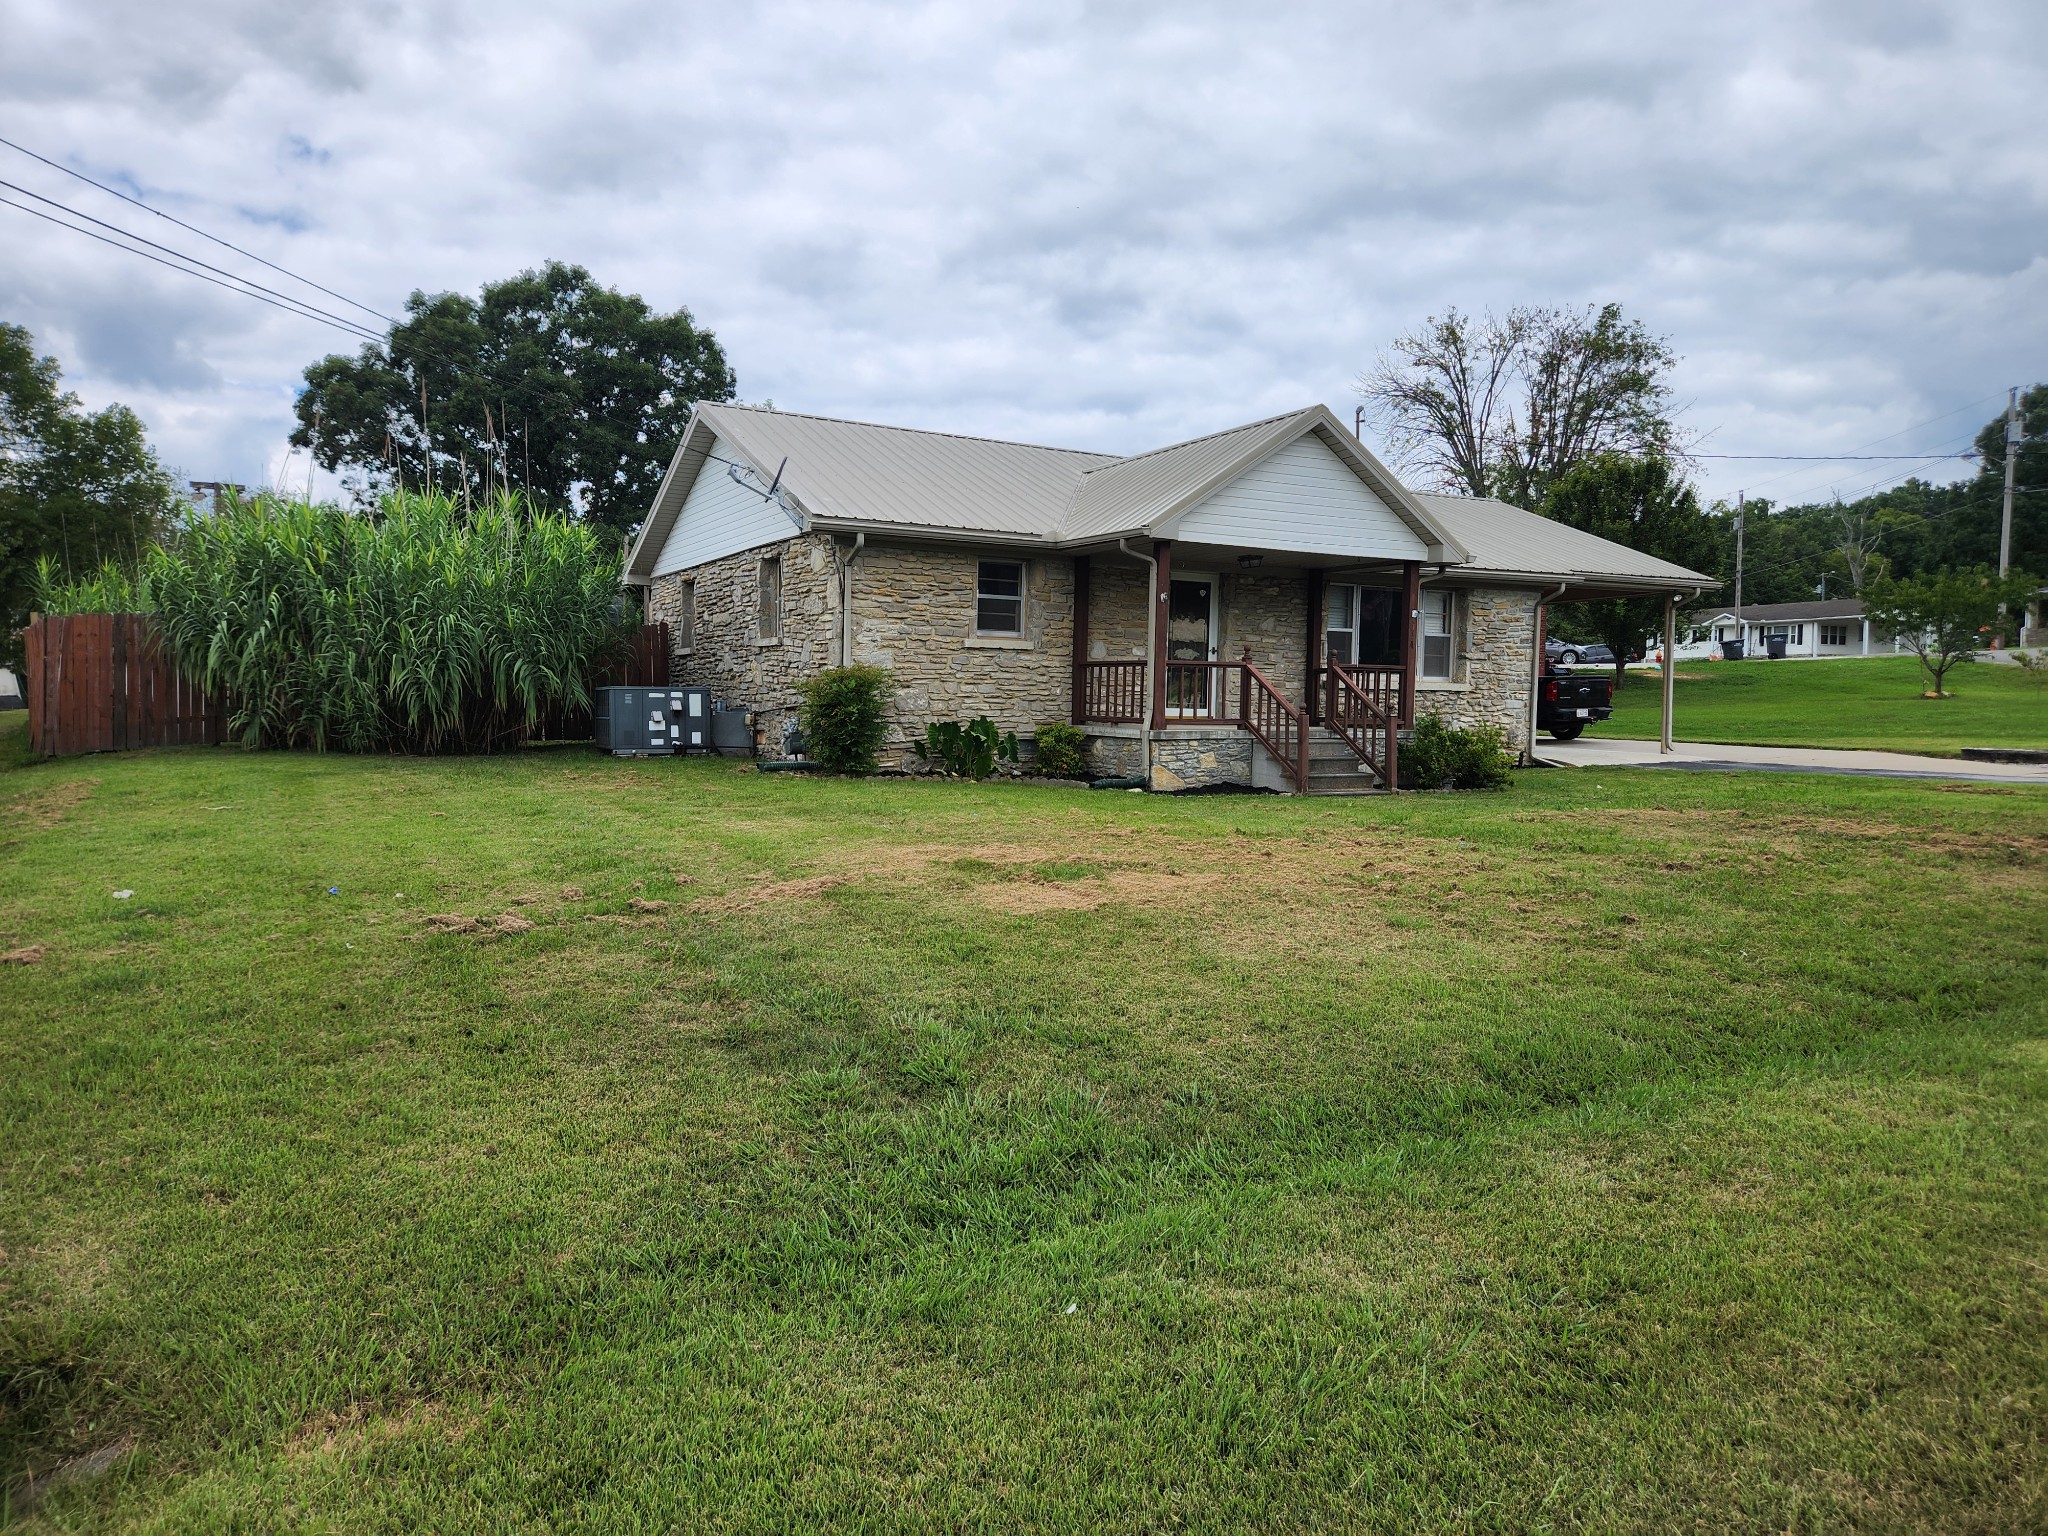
(1638, 1152)
(1855, 702)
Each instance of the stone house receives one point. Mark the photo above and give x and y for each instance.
(1266, 605)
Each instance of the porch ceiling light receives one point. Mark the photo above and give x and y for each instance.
(1248, 561)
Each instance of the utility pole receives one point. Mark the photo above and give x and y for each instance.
(2012, 459)
(1741, 517)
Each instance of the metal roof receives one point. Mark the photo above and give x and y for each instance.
(1768, 613)
(862, 475)
(858, 472)
(1504, 538)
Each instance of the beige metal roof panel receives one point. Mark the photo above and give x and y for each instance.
(1500, 537)
(1129, 495)
(862, 473)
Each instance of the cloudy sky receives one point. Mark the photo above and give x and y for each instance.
(1099, 225)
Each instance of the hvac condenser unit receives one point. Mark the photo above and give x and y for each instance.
(653, 722)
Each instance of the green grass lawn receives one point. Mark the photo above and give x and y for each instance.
(1635, 1152)
(1856, 702)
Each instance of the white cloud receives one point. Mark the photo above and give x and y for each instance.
(1108, 225)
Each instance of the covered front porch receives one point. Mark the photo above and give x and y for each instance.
(1312, 657)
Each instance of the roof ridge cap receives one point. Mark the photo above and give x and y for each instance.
(884, 426)
(1243, 426)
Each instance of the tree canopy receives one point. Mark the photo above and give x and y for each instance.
(547, 383)
(1505, 405)
(78, 488)
(1645, 504)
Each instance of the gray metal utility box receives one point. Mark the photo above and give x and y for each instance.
(653, 722)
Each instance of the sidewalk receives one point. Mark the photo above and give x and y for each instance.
(1606, 752)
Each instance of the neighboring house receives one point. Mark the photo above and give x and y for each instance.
(1162, 601)
(1829, 627)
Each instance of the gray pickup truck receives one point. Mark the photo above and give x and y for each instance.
(1567, 702)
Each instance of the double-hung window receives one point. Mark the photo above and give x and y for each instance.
(1439, 607)
(1834, 634)
(768, 596)
(999, 598)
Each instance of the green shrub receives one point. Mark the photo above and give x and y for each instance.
(846, 716)
(1447, 757)
(420, 627)
(969, 751)
(1062, 751)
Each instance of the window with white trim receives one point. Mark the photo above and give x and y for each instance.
(1834, 634)
(1439, 609)
(999, 598)
(768, 599)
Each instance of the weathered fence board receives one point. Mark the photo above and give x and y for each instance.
(100, 682)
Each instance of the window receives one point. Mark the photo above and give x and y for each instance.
(999, 598)
(1437, 608)
(1359, 626)
(1834, 634)
(769, 597)
(686, 617)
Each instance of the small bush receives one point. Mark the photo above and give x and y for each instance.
(1447, 757)
(845, 717)
(1062, 751)
(969, 751)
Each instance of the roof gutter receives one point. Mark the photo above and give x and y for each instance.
(846, 600)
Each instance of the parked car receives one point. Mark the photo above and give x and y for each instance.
(1567, 703)
(1570, 653)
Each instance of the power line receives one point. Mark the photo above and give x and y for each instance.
(290, 307)
(126, 234)
(1835, 458)
(195, 229)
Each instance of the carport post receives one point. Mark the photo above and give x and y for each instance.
(1670, 668)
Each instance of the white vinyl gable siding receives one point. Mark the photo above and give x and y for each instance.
(1301, 497)
(720, 518)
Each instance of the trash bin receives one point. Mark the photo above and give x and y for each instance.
(1731, 650)
(1774, 646)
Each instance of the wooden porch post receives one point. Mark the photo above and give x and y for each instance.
(1411, 629)
(1311, 695)
(1080, 639)
(1162, 589)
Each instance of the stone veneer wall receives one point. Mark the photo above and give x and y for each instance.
(724, 654)
(1499, 637)
(913, 612)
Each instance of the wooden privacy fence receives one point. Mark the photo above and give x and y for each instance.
(101, 682)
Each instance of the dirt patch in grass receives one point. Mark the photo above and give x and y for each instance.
(28, 954)
(359, 1428)
(768, 894)
(1030, 896)
(41, 809)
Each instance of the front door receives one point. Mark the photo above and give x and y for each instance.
(1190, 636)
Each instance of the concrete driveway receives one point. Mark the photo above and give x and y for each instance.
(1607, 752)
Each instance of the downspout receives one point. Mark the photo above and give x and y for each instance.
(1151, 625)
(846, 600)
(1543, 601)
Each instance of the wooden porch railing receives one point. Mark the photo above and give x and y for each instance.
(1114, 692)
(1276, 720)
(1380, 683)
(1368, 725)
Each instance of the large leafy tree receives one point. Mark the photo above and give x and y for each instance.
(1645, 504)
(547, 383)
(1503, 405)
(77, 487)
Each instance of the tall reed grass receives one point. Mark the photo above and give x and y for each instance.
(112, 588)
(418, 627)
